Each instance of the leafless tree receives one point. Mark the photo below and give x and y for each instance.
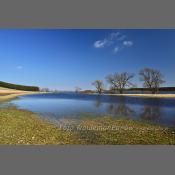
(152, 79)
(45, 90)
(77, 89)
(98, 85)
(119, 81)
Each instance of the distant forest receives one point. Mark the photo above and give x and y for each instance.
(18, 87)
(149, 89)
(161, 89)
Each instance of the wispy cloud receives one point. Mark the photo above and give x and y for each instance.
(19, 67)
(110, 40)
(100, 44)
(122, 37)
(127, 43)
(115, 38)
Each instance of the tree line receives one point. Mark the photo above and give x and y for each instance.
(152, 80)
(18, 87)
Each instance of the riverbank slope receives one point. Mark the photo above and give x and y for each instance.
(8, 94)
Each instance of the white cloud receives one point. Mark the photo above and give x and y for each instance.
(19, 67)
(100, 44)
(114, 38)
(127, 43)
(108, 41)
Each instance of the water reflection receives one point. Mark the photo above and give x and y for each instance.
(98, 102)
(145, 112)
(61, 105)
(151, 113)
(120, 109)
(152, 110)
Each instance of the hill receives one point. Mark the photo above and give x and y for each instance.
(18, 87)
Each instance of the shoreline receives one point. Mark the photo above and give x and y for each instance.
(8, 95)
(138, 95)
(16, 94)
(146, 95)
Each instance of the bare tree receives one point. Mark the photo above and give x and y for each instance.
(45, 90)
(120, 81)
(77, 89)
(152, 79)
(98, 85)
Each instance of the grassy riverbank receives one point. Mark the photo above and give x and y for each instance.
(23, 127)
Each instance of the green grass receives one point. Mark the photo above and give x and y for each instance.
(23, 127)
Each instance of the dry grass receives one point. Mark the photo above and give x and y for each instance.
(8, 94)
(147, 95)
(109, 131)
(20, 127)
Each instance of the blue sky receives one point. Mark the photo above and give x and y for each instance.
(63, 59)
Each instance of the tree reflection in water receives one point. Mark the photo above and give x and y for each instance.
(120, 109)
(150, 112)
(98, 102)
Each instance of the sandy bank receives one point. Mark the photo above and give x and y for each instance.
(139, 95)
(146, 95)
(8, 94)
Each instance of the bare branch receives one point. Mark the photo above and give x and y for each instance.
(98, 85)
(152, 79)
(120, 81)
